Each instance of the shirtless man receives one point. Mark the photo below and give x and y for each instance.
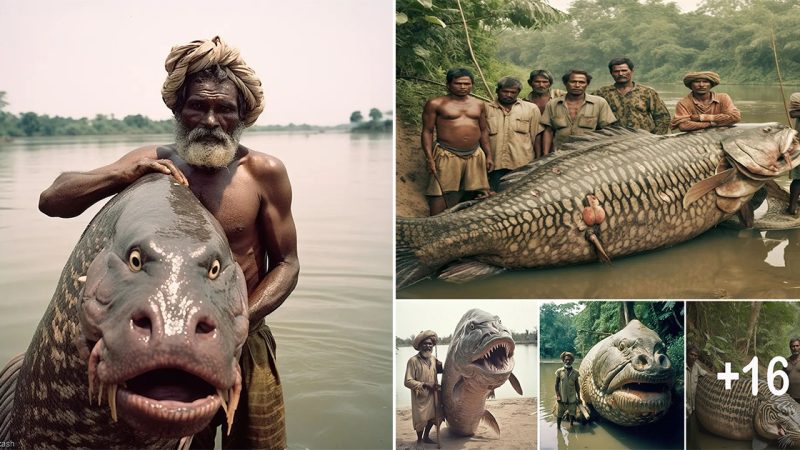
(793, 369)
(456, 160)
(575, 113)
(248, 192)
(542, 91)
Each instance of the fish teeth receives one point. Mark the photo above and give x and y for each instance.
(223, 397)
(234, 392)
(112, 400)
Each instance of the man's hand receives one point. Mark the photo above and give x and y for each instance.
(558, 398)
(431, 166)
(147, 165)
(489, 164)
(695, 118)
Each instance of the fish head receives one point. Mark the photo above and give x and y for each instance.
(633, 373)
(482, 350)
(763, 151)
(777, 417)
(163, 314)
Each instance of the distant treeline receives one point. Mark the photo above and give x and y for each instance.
(513, 37)
(528, 337)
(376, 124)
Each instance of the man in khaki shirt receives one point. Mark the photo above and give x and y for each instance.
(513, 126)
(575, 113)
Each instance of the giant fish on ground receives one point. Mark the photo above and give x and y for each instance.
(479, 360)
(139, 346)
(610, 193)
(737, 414)
(627, 377)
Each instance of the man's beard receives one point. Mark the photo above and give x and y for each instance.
(206, 147)
(426, 353)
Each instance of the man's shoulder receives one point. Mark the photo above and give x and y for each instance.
(591, 98)
(261, 163)
(602, 91)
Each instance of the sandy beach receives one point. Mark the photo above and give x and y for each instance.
(516, 417)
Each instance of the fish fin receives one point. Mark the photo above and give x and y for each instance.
(729, 205)
(489, 420)
(8, 385)
(515, 383)
(469, 270)
(584, 411)
(601, 252)
(409, 268)
(759, 444)
(705, 186)
(460, 206)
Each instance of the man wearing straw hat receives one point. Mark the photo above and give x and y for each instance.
(568, 390)
(421, 371)
(703, 108)
(214, 95)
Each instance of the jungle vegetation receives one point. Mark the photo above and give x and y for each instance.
(731, 37)
(736, 331)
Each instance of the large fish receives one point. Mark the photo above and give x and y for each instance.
(737, 414)
(612, 193)
(479, 360)
(140, 343)
(627, 377)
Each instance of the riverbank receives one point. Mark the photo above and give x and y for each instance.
(516, 417)
(411, 175)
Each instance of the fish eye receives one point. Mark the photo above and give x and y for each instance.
(135, 260)
(471, 326)
(213, 271)
(621, 345)
(766, 129)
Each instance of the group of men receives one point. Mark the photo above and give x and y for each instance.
(478, 142)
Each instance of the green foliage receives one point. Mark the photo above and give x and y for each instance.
(732, 37)
(32, 124)
(356, 117)
(719, 330)
(430, 39)
(557, 329)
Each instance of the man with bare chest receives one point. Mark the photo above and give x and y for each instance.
(248, 192)
(793, 369)
(460, 157)
(575, 113)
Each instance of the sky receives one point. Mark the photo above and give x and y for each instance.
(318, 60)
(442, 316)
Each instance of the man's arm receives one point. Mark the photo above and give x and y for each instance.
(683, 118)
(729, 115)
(483, 122)
(660, 114)
(73, 192)
(605, 117)
(276, 225)
(428, 124)
(558, 392)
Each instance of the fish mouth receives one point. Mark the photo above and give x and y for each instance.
(758, 162)
(496, 357)
(639, 393)
(169, 399)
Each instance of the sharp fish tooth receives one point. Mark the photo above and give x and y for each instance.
(91, 386)
(223, 399)
(112, 400)
(235, 391)
(100, 395)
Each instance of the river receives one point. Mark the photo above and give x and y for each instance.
(334, 331)
(721, 263)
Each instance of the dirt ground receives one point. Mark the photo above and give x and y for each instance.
(516, 417)
(410, 173)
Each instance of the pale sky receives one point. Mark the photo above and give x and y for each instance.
(318, 60)
(442, 316)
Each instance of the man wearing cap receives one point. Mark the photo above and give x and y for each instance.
(513, 127)
(794, 188)
(420, 377)
(703, 108)
(214, 95)
(568, 390)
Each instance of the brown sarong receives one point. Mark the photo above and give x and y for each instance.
(458, 173)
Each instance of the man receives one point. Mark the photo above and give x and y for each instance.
(575, 113)
(635, 105)
(214, 95)
(694, 371)
(513, 127)
(568, 389)
(541, 82)
(794, 188)
(703, 108)
(793, 369)
(421, 371)
(456, 161)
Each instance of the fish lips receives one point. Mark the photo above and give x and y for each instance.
(764, 157)
(648, 391)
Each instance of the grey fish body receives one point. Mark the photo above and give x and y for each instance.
(112, 325)
(480, 359)
(627, 377)
(639, 181)
(739, 415)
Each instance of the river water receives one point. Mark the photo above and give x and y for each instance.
(666, 433)
(334, 331)
(721, 263)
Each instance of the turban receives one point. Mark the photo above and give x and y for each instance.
(713, 77)
(565, 354)
(187, 59)
(422, 336)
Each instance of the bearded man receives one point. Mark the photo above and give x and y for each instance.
(421, 371)
(214, 95)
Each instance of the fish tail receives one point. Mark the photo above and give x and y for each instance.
(409, 268)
